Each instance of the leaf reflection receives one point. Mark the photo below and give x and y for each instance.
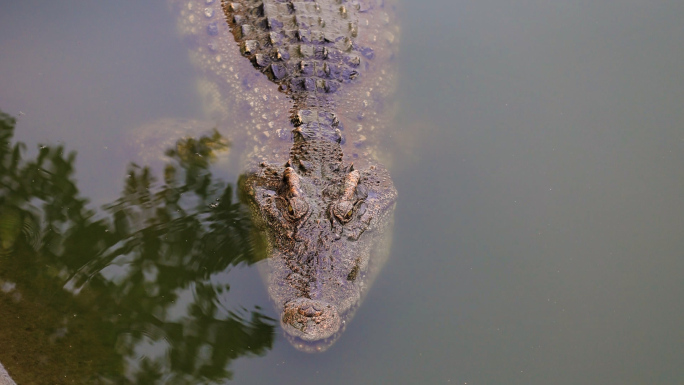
(124, 295)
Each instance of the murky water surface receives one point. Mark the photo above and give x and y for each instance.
(538, 235)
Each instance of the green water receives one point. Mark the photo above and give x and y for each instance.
(86, 296)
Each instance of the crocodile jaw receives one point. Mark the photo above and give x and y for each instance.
(318, 266)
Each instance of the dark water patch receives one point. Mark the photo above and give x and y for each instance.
(128, 297)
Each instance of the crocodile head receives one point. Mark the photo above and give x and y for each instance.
(326, 231)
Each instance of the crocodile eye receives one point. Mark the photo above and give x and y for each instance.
(343, 210)
(297, 208)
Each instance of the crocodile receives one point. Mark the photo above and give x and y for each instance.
(307, 88)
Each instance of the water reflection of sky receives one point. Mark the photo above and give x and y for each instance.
(538, 231)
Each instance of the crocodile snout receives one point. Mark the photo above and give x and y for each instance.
(309, 319)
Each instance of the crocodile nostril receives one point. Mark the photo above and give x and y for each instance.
(309, 319)
(309, 311)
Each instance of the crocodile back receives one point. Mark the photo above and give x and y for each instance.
(306, 47)
(326, 65)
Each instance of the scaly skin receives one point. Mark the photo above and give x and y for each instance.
(327, 229)
(323, 204)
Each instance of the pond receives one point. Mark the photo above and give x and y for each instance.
(537, 152)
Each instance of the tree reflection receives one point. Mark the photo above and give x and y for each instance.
(131, 288)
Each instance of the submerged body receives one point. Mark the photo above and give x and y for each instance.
(306, 85)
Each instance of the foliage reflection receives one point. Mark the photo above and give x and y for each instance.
(129, 294)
